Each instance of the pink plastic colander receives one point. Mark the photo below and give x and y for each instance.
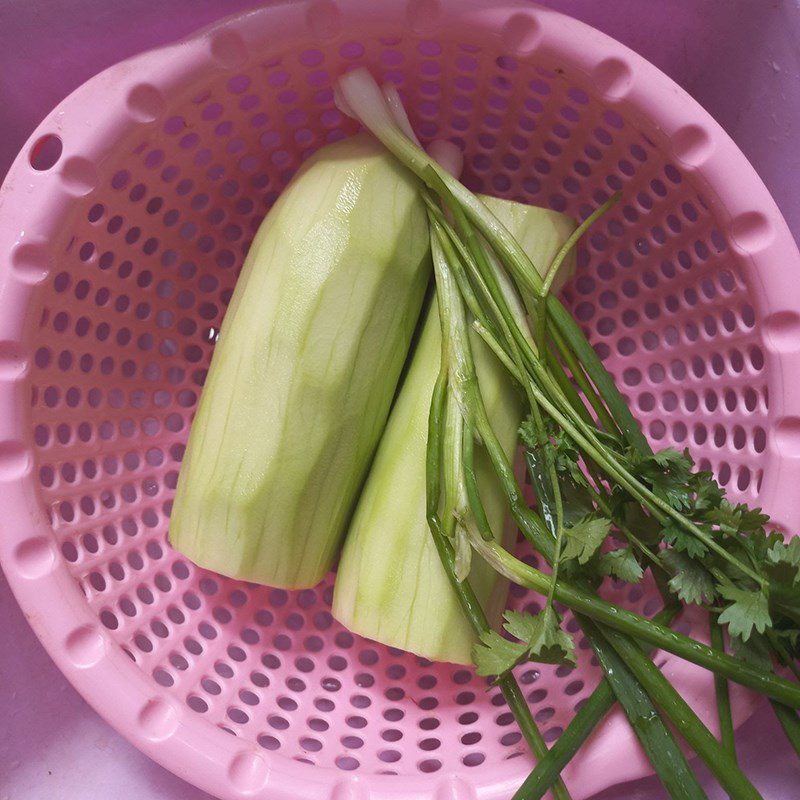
(122, 226)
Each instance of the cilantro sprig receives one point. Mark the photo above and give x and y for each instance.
(607, 505)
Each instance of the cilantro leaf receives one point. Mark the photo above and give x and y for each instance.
(566, 455)
(748, 609)
(547, 641)
(575, 501)
(786, 553)
(708, 493)
(735, 519)
(542, 639)
(567, 460)
(635, 519)
(782, 563)
(584, 538)
(669, 474)
(759, 543)
(673, 460)
(754, 651)
(691, 582)
(621, 564)
(724, 517)
(684, 541)
(527, 432)
(495, 655)
(751, 520)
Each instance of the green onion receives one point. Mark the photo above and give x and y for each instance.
(654, 736)
(686, 722)
(722, 693)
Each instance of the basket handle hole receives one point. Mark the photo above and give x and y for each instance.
(45, 152)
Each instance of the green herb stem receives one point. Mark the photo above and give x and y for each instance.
(585, 438)
(475, 504)
(574, 340)
(663, 751)
(562, 379)
(790, 723)
(641, 628)
(552, 270)
(364, 98)
(687, 723)
(577, 372)
(586, 719)
(722, 693)
(463, 591)
(477, 619)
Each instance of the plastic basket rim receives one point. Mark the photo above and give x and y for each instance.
(117, 689)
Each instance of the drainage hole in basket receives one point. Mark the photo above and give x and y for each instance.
(46, 152)
(324, 704)
(223, 670)
(430, 744)
(352, 742)
(162, 677)
(294, 621)
(574, 687)
(193, 646)
(250, 636)
(277, 722)
(251, 698)
(311, 745)
(364, 680)
(303, 663)
(196, 703)
(552, 734)
(268, 742)
(498, 701)
(286, 703)
(237, 715)
(259, 679)
(109, 620)
(389, 756)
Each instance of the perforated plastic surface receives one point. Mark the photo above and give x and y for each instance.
(124, 223)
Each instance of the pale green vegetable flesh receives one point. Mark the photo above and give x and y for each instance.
(304, 373)
(391, 586)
